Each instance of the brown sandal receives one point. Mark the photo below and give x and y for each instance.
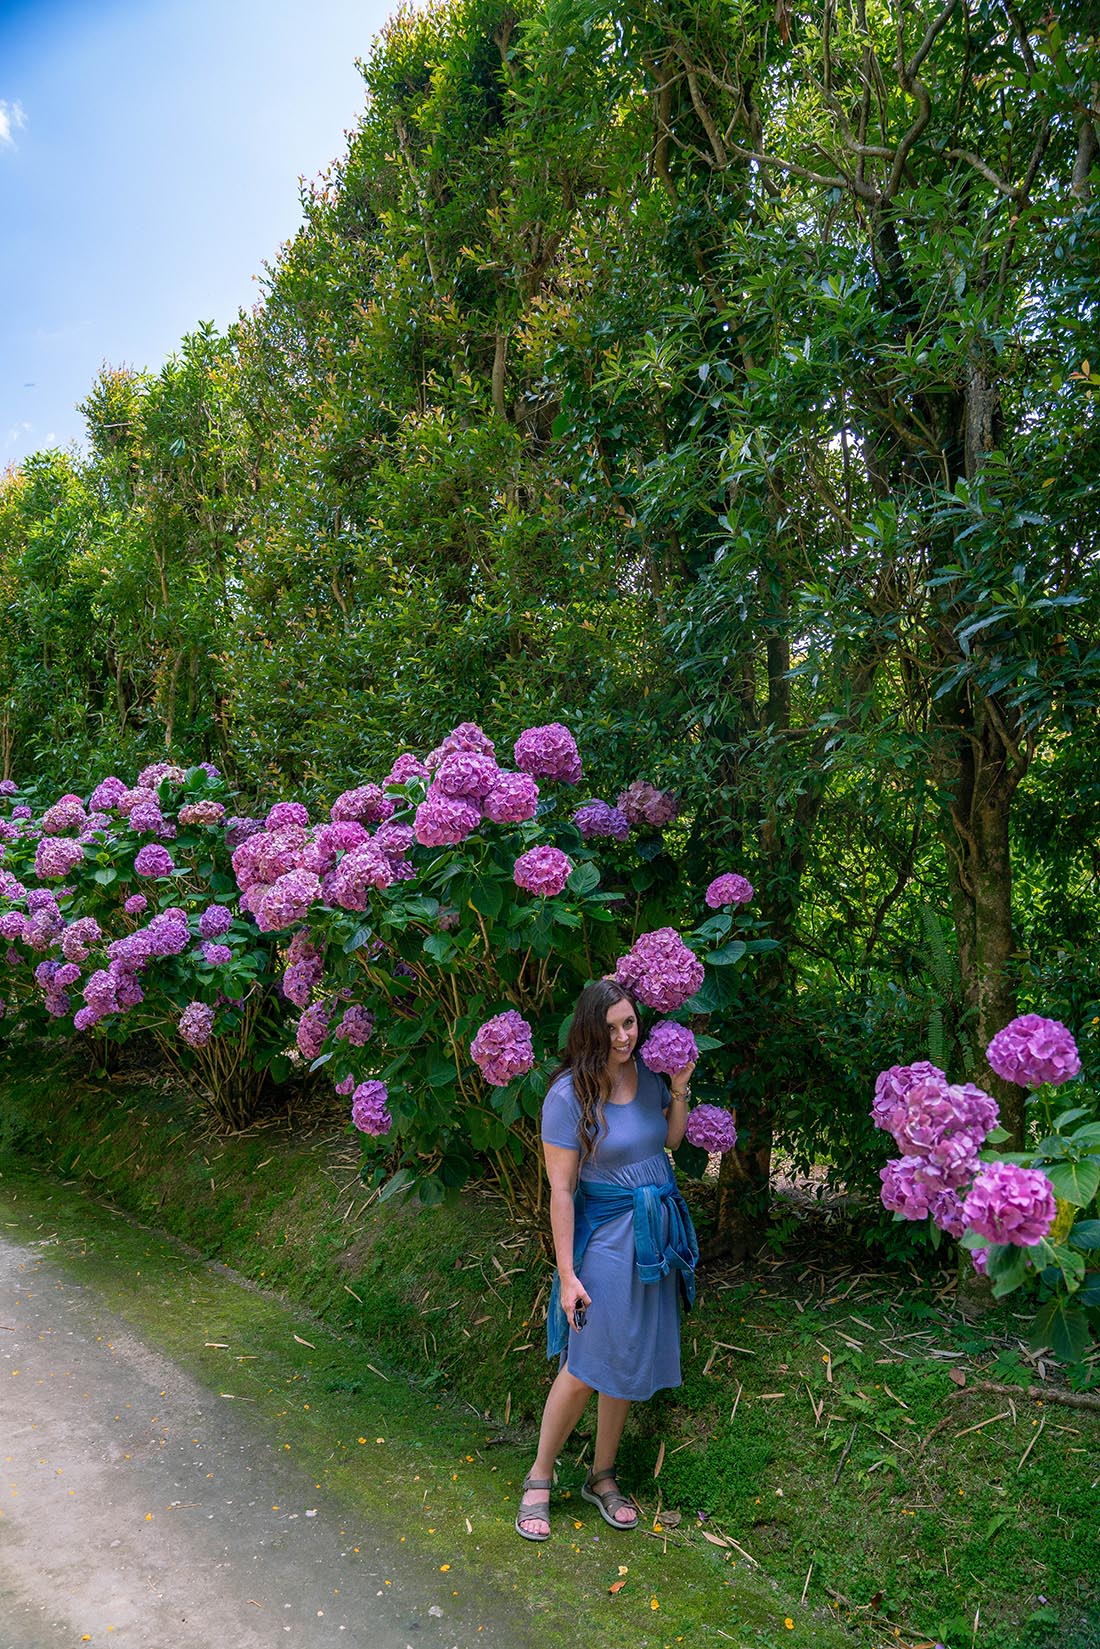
(610, 1501)
(529, 1511)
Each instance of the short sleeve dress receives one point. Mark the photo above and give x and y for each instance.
(630, 1344)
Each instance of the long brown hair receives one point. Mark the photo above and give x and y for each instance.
(587, 1051)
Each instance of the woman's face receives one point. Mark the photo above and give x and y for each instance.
(622, 1028)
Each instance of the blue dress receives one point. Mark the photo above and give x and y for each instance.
(630, 1344)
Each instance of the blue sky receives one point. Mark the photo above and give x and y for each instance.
(150, 152)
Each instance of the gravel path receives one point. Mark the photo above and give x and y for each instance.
(137, 1508)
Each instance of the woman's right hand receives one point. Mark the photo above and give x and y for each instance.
(573, 1294)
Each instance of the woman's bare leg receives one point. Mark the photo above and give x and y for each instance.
(611, 1415)
(564, 1407)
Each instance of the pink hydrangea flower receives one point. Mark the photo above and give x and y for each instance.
(1010, 1204)
(201, 813)
(287, 900)
(467, 775)
(215, 921)
(312, 1029)
(406, 767)
(285, 814)
(360, 870)
(548, 752)
(892, 1091)
(55, 856)
(215, 955)
(711, 1128)
(902, 1192)
(513, 798)
(642, 805)
(947, 1211)
(365, 805)
(356, 1026)
(730, 889)
(135, 904)
(67, 813)
(368, 1108)
(669, 1048)
(443, 821)
(78, 938)
(661, 970)
(1032, 1050)
(542, 870)
(502, 1048)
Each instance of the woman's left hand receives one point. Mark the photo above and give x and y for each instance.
(680, 1081)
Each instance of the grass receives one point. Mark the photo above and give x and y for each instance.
(832, 1423)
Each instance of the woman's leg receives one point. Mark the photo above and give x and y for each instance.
(564, 1407)
(610, 1419)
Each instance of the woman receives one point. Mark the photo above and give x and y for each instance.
(623, 1241)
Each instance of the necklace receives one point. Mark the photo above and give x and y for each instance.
(620, 1083)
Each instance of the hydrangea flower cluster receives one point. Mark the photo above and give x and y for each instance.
(406, 767)
(542, 870)
(206, 812)
(197, 1024)
(1010, 1204)
(55, 856)
(356, 1026)
(940, 1128)
(444, 821)
(599, 819)
(365, 805)
(153, 860)
(661, 970)
(548, 752)
(729, 889)
(1032, 1050)
(368, 1108)
(512, 798)
(503, 1049)
(711, 1128)
(669, 1048)
(67, 813)
(643, 805)
(215, 921)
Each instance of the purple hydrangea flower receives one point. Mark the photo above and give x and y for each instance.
(947, 1211)
(84, 1019)
(892, 1091)
(99, 994)
(730, 889)
(287, 900)
(200, 813)
(368, 1108)
(67, 974)
(55, 856)
(643, 805)
(105, 795)
(22, 811)
(78, 937)
(286, 813)
(215, 921)
(365, 805)
(979, 1259)
(153, 860)
(711, 1128)
(356, 1026)
(301, 979)
(502, 1048)
(902, 1192)
(512, 798)
(128, 989)
(67, 813)
(466, 775)
(944, 1126)
(548, 752)
(266, 855)
(598, 818)
(312, 1029)
(196, 1024)
(466, 736)
(42, 899)
(345, 1086)
(394, 840)
(8, 787)
(168, 934)
(443, 821)
(669, 1048)
(542, 870)
(147, 819)
(302, 948)
(1009, 1204)
(661, 970)
(350, 883)
(214, 954)
(134, 950)
(12, 926)
(1033, 1050)
(238, 829)
(406, 767)
(135, 904)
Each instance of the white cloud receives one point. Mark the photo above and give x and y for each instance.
(12, 119)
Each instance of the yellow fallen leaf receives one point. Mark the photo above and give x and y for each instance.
(653, 1604)
(616, 1586)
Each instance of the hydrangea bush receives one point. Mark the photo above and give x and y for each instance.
(1023, 1216)
(420, 942)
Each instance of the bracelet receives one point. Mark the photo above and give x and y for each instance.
(685, 1095)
